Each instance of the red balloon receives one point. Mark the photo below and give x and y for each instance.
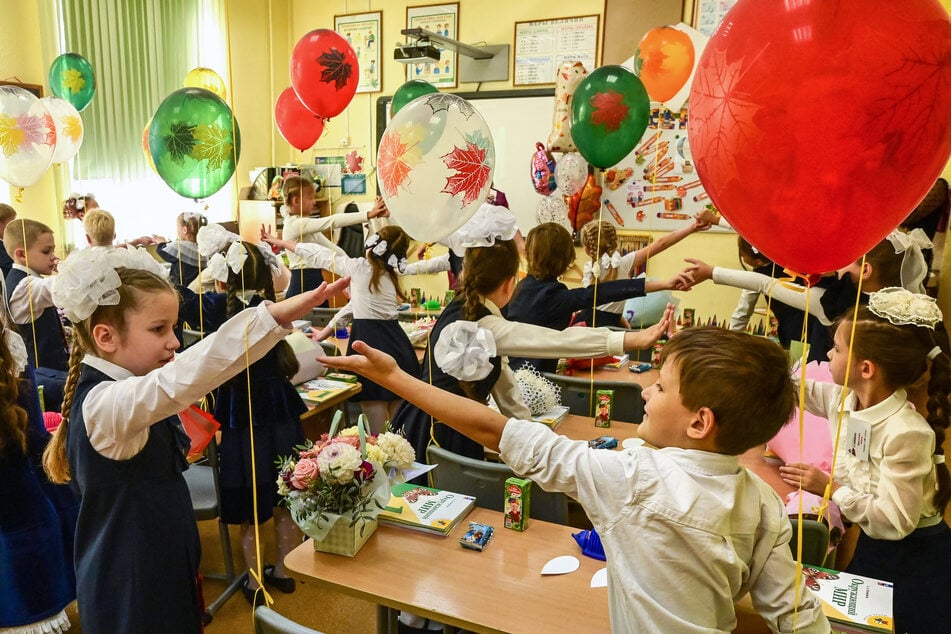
(324, 72)
(299, 126)
(818, 126)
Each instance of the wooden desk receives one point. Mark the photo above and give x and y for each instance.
(498, 590)
(644, 379)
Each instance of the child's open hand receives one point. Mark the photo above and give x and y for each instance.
(371, 363)
(299, 306)
(700, 271)
(645, 338)
(288, 245)
(380, 210)
(809, 478)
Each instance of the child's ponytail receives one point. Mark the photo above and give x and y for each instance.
(939, 416)
(55, 462)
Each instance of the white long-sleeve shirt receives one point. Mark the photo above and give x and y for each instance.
(687, 533)
(119, 413)
(31, 296)
(309, 229)
(790, 294)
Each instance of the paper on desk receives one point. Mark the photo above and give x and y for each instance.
(631, 443)
(600, 579)
(415, 471)
(561, 565)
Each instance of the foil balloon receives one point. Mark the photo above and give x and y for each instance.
(72, 78)
(27, 137)
(208, 79)
(817, 129)
(194, 142)
(69, 128)
(432, 188)
(324, 72)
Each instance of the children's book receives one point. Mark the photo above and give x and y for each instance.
(552, 417)
(853, 604)
(618, 363)
(426, 509)
(317, 391)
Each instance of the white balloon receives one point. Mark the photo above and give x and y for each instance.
(553, 209)
(571, 172)
(435, 165)
(27, 137)
(69, 128)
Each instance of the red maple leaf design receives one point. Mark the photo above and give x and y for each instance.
(609, 110)
(336, 68)
(472, 172)
(393, 170)
(354, 162)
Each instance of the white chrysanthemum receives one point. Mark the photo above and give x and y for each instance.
(540, 394)
(902, 307)
(376, 454)
(349, 431)
(399, 453)
(337, 462)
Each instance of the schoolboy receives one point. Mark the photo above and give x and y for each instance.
(686, 530)
(33, 248)
(100, 228)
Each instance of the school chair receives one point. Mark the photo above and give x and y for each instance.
(205, 492)
(267, 621)
(815, 541)
(190, 337)
(486, 481)
(320, 317)
(579, 395)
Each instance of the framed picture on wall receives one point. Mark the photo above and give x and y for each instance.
(36, 89)
(706, 15)
(362, 31)
(442, 19)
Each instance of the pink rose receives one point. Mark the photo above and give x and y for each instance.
(305, 472)
(353, 441)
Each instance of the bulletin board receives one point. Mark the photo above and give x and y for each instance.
(656, 187)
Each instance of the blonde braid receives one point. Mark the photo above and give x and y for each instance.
(55, 462)
(598, 238)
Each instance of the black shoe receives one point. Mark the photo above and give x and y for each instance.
(284, 584)
(253, 597)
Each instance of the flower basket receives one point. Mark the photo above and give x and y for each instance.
(336, 487)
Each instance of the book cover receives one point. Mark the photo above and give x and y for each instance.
(552, 417)
(426, 509)
(852, 603)
(618, 363)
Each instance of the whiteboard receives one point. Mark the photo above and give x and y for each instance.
(517, 119)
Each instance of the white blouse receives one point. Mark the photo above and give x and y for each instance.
(310, 229)
(365, 304)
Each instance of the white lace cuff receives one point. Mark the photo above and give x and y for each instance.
(465, 351)
(17, 350)
(902, 307)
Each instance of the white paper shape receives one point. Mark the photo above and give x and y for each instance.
(561, 565)
(600, 579)
(631, 443)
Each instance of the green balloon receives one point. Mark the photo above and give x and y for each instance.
(609, 112)
(409, 91)
(195, 142)
(72, 79)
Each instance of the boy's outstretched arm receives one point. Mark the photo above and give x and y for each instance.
(466, 416)
(299, 306)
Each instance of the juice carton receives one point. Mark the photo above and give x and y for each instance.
(605, 401)
(518, 493)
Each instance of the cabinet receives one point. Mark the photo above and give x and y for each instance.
(253, 213)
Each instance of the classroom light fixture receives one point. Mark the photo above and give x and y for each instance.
(475, 63)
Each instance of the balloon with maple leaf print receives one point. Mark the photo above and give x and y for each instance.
(27, 137)
(299, 126)
(72, 78)
(324, 72)
(663, 61)
(435, 165)
(407, 92)
(195, 142)
(608, 115)
(817, 130)
(69, 128)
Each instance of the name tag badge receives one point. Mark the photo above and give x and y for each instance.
(857, 434)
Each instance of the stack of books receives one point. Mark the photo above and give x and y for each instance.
(553, 417)
(425, 509)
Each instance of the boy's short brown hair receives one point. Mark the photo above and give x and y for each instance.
(7, 213)
(100, 226)
(743, 379)
(22, 233)
(549, 250)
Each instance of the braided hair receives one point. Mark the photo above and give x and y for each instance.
(597, 245)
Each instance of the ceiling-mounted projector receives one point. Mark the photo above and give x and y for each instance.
(418, 53)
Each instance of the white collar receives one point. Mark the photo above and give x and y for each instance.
(26, 270)
(879, 411)
(110, 369)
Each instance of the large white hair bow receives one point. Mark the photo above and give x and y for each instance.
(593, 269)
(914, 268)
(87, 279)
(488, 224)
(213, 238)
(465, 351)
(902, 307)
(232, 260)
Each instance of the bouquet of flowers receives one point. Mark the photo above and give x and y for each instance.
(342, 477)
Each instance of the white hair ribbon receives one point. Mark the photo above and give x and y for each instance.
(914, 268)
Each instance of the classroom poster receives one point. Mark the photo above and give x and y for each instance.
(362, 31)
(656, 186)
(441, 19)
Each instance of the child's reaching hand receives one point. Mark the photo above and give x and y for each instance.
(645, 338)
(287, 245)
(700, 271)
(701, 222)
(371, 363)
(380, 210)
(299, 306)
(805, 476)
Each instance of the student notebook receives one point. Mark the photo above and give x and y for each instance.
(426, 509)
(553, 417)
(853, 604)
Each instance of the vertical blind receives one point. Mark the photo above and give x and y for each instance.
(140, 51)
